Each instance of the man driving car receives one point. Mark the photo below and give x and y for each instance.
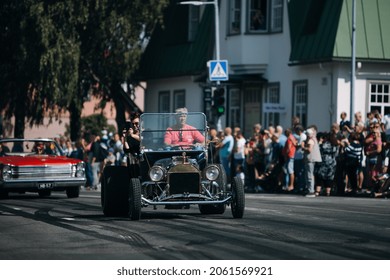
(182, 134)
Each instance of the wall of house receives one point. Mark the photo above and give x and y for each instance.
(246, 49)
(58, 127)
(193, 93)
(364, 75)
(268, 54)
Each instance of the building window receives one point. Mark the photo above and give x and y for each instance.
(265, 16)
(257, 15)
(379, 97)
(193, 22)
(163, 102)
(252, 96)
(179, 99)
(272, 97)
(234, 16)
(277, 16)
(235, 107)
(300, 101)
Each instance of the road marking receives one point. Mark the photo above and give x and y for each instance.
(69, 219)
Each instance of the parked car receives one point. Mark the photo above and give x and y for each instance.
(38, 165)
(171, 175)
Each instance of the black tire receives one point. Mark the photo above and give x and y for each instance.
(3, 194)
(222, 179)
(135, 203)
(207, 209)
(73, 192)
(238, 198)
(114, 194)
(44, 193)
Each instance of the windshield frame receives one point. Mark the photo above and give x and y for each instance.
(154, 126)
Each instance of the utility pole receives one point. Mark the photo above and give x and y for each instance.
(353, 60)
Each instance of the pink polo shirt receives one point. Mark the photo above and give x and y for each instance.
(185, 136)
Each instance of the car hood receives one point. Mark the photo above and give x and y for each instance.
(37, 160)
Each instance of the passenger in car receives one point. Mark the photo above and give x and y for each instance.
(3, 149)
(39, 148)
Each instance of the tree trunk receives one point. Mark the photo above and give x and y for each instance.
(20, 116)
(120, 117)
(75, 123)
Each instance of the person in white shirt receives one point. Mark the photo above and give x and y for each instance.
(238, 150)
(386, 126)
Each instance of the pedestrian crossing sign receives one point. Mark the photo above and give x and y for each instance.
(218, 70)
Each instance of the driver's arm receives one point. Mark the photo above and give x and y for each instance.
(168, 136)
(198, 137)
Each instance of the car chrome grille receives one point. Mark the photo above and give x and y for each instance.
(42, 172)
(180, 183)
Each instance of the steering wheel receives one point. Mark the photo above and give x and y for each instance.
(181, 147)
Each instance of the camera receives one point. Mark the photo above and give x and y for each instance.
(128, 125)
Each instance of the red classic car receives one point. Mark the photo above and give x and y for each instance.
(38, 165)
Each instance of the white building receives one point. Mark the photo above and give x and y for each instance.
(295, 61)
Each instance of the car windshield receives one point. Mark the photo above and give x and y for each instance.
(161, 131)
(29, 147)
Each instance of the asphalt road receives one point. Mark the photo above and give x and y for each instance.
(274, 227)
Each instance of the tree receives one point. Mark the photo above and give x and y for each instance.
(113, 41)
(51, 49)
(39, 62)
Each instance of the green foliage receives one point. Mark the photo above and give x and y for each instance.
(50, 49)
(93, 124)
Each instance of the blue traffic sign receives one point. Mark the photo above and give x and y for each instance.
(218, 70)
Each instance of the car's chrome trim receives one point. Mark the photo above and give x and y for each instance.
(185, 202)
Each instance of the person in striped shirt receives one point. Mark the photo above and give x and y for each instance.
(353, 159)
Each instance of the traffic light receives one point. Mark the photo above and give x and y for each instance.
(207, 95)
(219, 101)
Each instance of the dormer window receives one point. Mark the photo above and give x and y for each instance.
(235, 16)
(265, 16)
(258, 15)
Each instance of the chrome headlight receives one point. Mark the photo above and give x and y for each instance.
(212, 172)
(80, 169)
(156, 173)
(6, 172)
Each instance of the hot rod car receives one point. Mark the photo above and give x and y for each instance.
(173, 176)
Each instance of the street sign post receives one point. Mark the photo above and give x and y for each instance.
(218, 70)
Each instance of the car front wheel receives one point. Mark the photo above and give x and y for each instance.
(238, 198)
(73, 192)
(135, 199)
(114, 194)
(44, 193)
(3, 194)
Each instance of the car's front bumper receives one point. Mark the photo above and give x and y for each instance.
(40, 184)
(186, 201)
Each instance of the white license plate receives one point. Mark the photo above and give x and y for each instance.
(45, 186)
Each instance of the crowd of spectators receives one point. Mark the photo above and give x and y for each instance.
(352, 158)
(102, 149)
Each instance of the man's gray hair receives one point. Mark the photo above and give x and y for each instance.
(181, 110)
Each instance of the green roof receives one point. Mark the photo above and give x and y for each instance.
(170, 53)
(321, 30)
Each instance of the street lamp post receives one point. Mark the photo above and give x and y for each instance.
(217, 49)
(353, 60)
